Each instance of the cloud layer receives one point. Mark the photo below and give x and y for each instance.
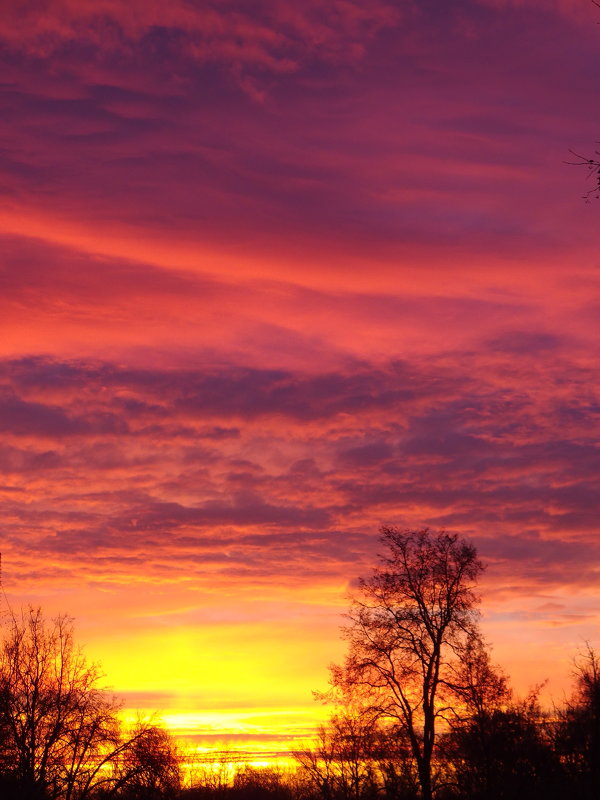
(272, 277)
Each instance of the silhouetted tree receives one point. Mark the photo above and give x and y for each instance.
(341, 764)
(355, 757)
(149, 768)
(578, 727)
(409, 627)
(397, 768)
(482, 692)
(479, 685)
(52, 713)
(591, 163)
(61, 737)
(506, 753)
(592, 167)
(271, 783)
(227, 776)
(212, 774)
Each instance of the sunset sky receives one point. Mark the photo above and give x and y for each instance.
(276, 273)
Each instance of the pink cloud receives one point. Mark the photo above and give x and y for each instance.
(267, 35)
(512, 462)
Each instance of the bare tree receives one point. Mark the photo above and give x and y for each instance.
(590, 164)
(482, 687)
(578, 731)
(354, 757)
(61, 737)
(213, 772)
(409, 626)
(592, 167)
(507, 752)
(149, 767)
(54, 716)
(260, 783)
(341, 763)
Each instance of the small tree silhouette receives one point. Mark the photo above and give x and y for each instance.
(592, 165)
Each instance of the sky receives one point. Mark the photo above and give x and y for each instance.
(272, 275)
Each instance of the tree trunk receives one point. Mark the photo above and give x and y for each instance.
(425, 780)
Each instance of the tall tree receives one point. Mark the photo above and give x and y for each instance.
(409, 625)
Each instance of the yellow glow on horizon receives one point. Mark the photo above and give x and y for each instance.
(239, 688)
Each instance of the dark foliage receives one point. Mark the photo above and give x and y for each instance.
(505, 753)
(577, 730)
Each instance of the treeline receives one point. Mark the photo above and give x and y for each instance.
(510, 750)
(419, 709)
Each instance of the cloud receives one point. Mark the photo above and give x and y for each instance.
(133, 147)
(268, 35)
(255, 473)
(275, 274)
